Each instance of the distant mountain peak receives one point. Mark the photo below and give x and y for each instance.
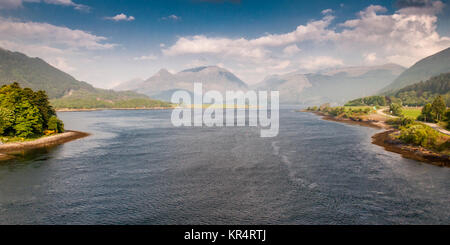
(163, 72)
(164, 82)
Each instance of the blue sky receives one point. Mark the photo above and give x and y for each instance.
(106, 42)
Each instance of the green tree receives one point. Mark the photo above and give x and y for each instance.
(427, 114)
(6, 120)
(395, 109)
(55, 124)
(28, 120)
(438, 108)
(447, 118)
(25, 113)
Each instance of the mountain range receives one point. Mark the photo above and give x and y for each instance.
(162, 84)
(337, 85)
(334, 85)
(64, 90)
(423, 70)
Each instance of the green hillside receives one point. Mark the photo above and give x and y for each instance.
(421, 71)
(424, 92)
(63, 90)
(418, 94)
(102, 98)
(36, 74)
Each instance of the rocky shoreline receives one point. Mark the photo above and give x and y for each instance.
(9, 148)
(391, 144)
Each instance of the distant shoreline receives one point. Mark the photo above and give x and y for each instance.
(384, 140)
(105, 109)
(16, 147)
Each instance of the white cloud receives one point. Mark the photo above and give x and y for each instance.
(373, 37)
(320, 62)
(12, 4)
(36, 33)
(370, 58)
(222, 46)
(291, 50)
(282, 65)
(171, 17)
(327, 11)
(146, 57)
(121, 17)
(61, 63)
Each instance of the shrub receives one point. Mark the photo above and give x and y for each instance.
(419, 134)
(401, 122)
(395, 109)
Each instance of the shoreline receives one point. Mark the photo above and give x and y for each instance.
(17, 147)
(105, 109)
(384, 140)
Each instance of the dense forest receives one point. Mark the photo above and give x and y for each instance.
(26, 114)
(370, 101)
(418, 94)
(422, 93)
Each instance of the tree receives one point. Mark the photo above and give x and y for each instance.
(55, 124)
(6, 119)
(26, 113)
(438, 108)
(427, 114)
(28, 121)
(395, 109)
(447, 118)
(40, 99)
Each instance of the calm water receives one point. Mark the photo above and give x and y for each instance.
(138, 169)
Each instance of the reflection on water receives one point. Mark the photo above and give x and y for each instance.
(136, 168)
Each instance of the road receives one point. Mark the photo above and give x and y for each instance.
(432, 125)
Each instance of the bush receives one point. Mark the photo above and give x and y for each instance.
(419, 134)
(401, 122)
(395, 109)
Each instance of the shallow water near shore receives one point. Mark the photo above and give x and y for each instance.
(136, 168)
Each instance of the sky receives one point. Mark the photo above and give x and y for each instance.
(106, 42)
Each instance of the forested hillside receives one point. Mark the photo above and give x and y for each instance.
(64, 90)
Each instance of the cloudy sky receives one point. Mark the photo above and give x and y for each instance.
(105, 42)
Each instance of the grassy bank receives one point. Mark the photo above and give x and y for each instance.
(404, 135)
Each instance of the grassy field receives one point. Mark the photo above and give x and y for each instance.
(412, 112)
(358, 107)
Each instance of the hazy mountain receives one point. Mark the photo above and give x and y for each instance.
(163, 83)
(63, 89)
(290, 86)
(128, 84)
(422, 70)
(335, 85)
